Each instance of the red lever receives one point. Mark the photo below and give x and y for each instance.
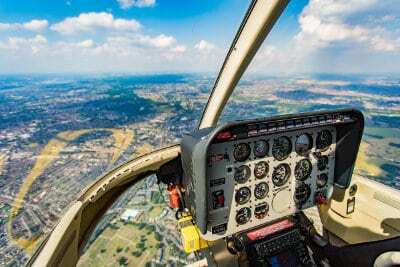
(174, 198)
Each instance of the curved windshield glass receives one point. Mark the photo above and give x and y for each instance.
(86, 85)
(325, 55)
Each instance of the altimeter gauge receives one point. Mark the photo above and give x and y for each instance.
(261, 169)
(261, 148)
(322, 162)
(281, 174)
(242, 195)
(241, 152)
(324, 140)
(281, 148)
(261, 190)
(243, 215)
(303, 169)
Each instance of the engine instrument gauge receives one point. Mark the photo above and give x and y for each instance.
(281, 174)
(303, 144)
(261, 148)
(281, 148)
(302, 193)
(241, 152)
(322, 162)
(243, 215)
(261, 169)
(322, 180)
(261, 210)
(303, 169)
(261, 190)
(242, 174)
(242, 195)
(324, 140)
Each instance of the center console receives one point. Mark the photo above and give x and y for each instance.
(278, 244)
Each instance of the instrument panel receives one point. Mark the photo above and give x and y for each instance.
(259, 179)
(245, 174)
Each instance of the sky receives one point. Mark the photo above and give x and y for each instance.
(168, 36)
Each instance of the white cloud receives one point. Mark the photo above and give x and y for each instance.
(88, 22)
(5, 26)
(179, 49)
(204, 46)
(160, 41)
(36, 25)
(33, 25)
(324, 23)
(126, 4)
(86, 43)
(34, 44)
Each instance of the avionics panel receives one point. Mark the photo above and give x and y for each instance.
(244, 174)
(255, 180)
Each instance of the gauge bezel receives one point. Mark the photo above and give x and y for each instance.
(264, 210)
(248, 196)
(307, 193)
(310, 144)
(287, 175)
(265, 173)
(287, 153)
(248, 152)
(298, 165)
(266, 191)
(247, 176)
(317, 141)
(264, 154)
(323, 159)
(248, 218)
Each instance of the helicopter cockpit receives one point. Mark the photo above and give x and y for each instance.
(240, 188)
(258, 176)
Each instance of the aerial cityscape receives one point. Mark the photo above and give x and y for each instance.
(58, 133)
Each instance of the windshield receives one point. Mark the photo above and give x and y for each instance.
(86, 85)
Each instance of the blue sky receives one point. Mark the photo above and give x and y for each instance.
(147, 36)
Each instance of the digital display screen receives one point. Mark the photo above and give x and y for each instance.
(285, 259)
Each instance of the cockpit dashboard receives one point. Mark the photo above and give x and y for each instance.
(245, 174)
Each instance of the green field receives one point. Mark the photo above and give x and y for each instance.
(124, 245)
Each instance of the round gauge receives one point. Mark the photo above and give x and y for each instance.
(260, 211)
(303, 144)
(281, 174)
(303, 169)
(324, 140)
(241, 152)
(261, 169)
(242, 174)
(243, 215)
(260, 148)
(302, 193)
(281, 148)
(242, 195)
(322, 180)
(261, 190)
(322, 162)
